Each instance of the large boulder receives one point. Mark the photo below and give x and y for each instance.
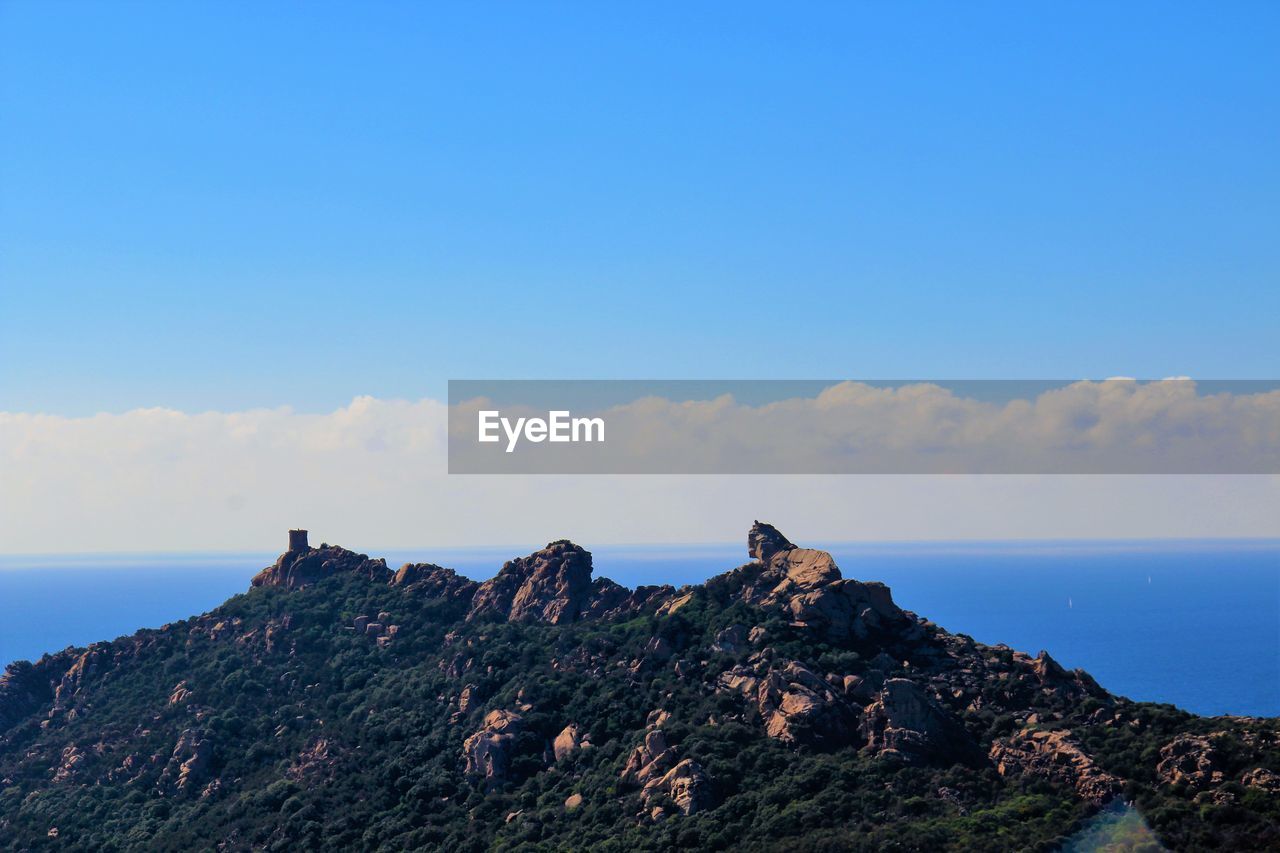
(551, 585)
(488, 752)
(686, 784)
(568, 741)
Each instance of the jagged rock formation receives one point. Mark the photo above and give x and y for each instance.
(1191, 761)
(432, 581)
(809, 586)
(297, 569)
(1055, 756)
(189, 763)
(439, 694)
(550, 586)
(906, 722)
(795, 705)
(656, 767)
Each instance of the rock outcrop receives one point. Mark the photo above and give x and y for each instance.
(795, 705)
(488, 751)
(1262, 779)
(655, 766)
(1190, 760)
(300, 568)
(188, 765)
(906, 722)
(686, 784)
(434, 581)
(1056, 757)
(808, 585)
(764, 541)
(550, 585)
(568, 741)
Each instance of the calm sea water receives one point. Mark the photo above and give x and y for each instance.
(1195, 624)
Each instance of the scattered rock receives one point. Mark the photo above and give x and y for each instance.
(72, 758)
(1190, 760)
(1055, 756)
(1263, 779)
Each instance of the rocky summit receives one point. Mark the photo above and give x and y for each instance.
(341, 705)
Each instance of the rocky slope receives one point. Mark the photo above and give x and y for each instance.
(340, 704)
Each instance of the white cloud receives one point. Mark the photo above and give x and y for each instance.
(372, 475)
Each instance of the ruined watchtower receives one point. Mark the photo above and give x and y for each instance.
(298, 540)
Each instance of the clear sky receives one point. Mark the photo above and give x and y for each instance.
(232, 205)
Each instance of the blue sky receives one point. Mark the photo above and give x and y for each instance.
(224, 206)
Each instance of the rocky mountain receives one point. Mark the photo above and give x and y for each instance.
(341, 705)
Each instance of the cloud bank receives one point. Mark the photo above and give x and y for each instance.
(372, 475)
(1108, 427)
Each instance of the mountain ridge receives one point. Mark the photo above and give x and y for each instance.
(783, 652)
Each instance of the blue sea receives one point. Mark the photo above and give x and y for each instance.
(1192, 623)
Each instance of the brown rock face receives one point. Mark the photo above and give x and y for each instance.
(795, 705)
(551, 585)
(808, 584)
(687, 786)
(189, 763)
(569, 739)
(906, 722)
(1191, 760)
(434, 581)
(848, 609)
(608, 599)
(650, 760)
(655, 766)
(488, 751)
(85, 668)
(1056, 757)
(297, 569)
(764, 541)
(1262, 779)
